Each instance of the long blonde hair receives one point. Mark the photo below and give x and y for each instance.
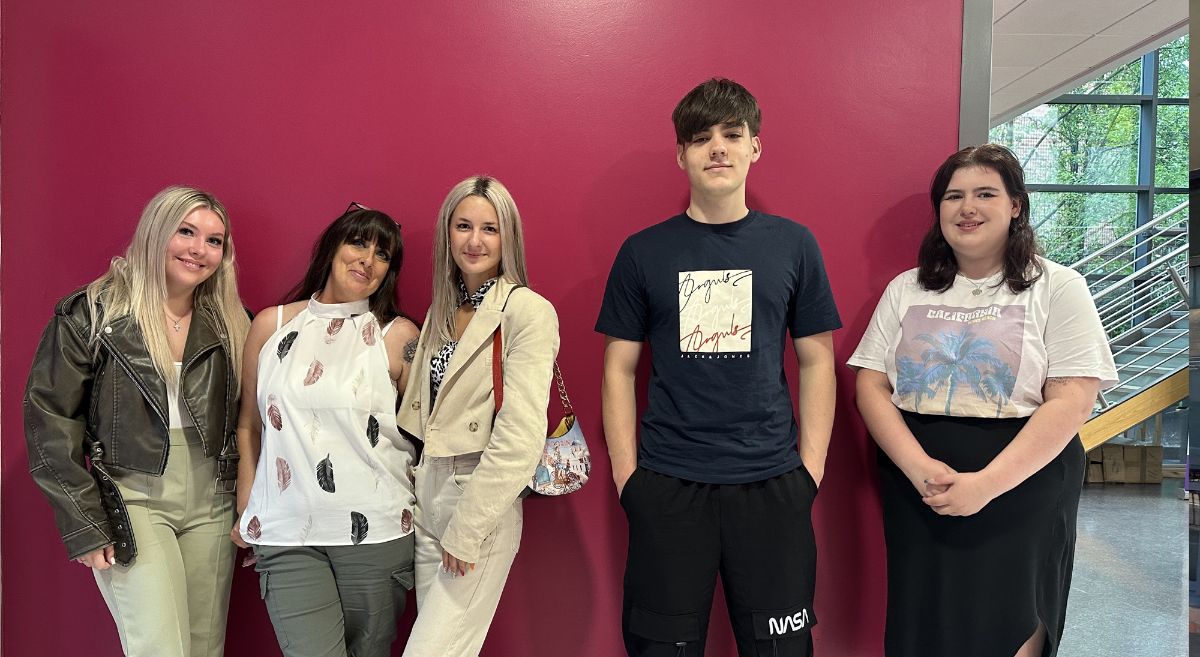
(136, 283)
(446, 273)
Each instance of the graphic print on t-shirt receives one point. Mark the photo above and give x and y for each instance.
(960, 361)
(715, 309)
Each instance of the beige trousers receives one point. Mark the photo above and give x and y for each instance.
(454, 612)
(172, 601)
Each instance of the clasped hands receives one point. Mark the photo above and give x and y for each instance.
(952, 493)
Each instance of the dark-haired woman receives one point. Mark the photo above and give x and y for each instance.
(323, 487)
(974, 376)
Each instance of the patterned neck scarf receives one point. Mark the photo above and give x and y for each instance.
(477, 297)
(441, 360)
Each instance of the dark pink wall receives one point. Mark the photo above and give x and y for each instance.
(288, 113)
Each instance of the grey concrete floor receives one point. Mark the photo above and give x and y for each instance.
(1129, 589)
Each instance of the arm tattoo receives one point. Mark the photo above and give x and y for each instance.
(1056, 381)
(410, 350)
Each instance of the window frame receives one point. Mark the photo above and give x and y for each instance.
(1148, 102)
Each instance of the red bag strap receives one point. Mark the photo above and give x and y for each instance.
(498, 377)
(497, 369)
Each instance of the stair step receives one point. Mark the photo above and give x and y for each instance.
(1141, 349)
(1128, 362)
(1131, 381)
(1153, 361)
(1131, 388)
(1173, 328)
(1172, 338)
(1162, 350)
(1142, 378)
(1119, 394)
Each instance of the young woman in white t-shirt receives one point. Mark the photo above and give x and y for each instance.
(974, 376)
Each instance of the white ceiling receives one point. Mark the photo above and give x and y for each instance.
(1043, 48)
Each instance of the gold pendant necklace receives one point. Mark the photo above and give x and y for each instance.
(977, 288)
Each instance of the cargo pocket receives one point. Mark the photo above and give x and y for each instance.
(783, 632)
(404, 578)
(676, 635)
(264, 590)
(402, 582)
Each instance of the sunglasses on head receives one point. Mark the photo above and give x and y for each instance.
(355, 205)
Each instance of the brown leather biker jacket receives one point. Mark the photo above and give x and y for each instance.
(113, 396)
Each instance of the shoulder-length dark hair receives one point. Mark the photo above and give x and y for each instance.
(356, 223)
(935, 260)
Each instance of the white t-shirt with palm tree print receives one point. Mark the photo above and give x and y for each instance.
(978, 350)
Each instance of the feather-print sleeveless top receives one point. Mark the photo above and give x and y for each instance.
(333, 467)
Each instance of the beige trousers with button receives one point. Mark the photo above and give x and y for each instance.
(454, 612)
(172, 601)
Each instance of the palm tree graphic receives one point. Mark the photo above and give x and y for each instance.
(957, 357)
(998, 384)
(911, 381)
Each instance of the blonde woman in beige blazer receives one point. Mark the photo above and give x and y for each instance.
(476, 460)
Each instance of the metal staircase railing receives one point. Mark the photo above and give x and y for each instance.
(1137, 282)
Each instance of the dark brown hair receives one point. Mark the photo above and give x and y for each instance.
(936, 262)
(714, 101)
(369, 226)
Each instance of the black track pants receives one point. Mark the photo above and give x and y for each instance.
(759, 537)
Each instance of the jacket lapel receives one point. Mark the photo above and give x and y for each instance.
(127, 346)
(477, 336)
(201, 339)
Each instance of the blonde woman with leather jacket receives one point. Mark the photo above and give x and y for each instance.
(477, 459)
(137, 372)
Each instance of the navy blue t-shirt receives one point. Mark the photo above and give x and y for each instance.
(716, 302)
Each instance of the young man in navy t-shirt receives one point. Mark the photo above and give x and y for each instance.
(715, 483)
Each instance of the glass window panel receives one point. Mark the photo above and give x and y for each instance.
(1071, 225)
(1075, 144)
(1173, 69)
(1164, 203)
(1005, 133)
(1171, 234)
(1126, 79)
(1171, 149)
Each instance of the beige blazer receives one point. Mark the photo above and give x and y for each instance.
(461, 421)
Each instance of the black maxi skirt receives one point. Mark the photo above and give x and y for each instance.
(978, 585)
